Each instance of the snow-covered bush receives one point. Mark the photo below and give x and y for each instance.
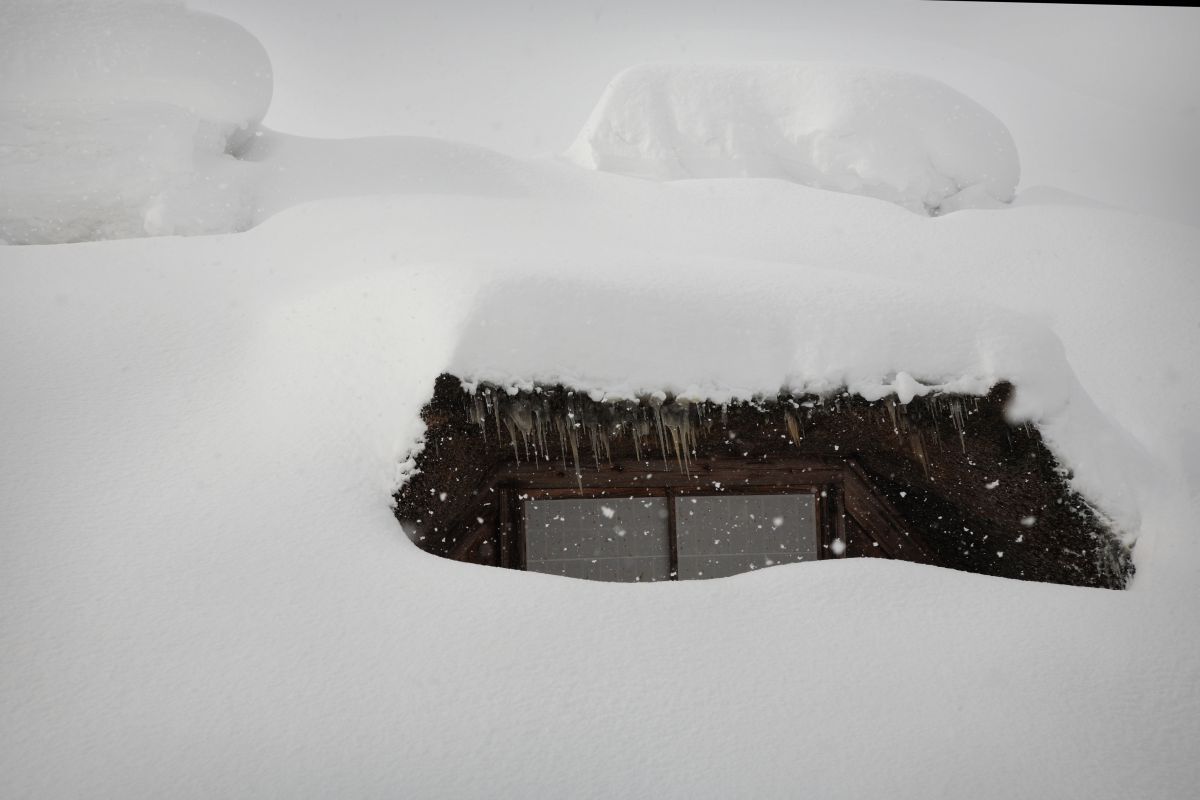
(899, 137)
(119, 119)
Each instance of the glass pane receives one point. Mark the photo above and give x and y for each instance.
(727, 534)
(603, 539)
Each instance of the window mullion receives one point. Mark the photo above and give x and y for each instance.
(672, 536)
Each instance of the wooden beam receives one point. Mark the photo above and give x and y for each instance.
(874, 514)
(469, 543)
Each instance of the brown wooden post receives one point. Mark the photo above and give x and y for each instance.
(518, 529)
(839, 517)
(824, 520)
(506, 527)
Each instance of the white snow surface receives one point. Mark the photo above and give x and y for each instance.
(119, 119)
(903, 138)
(203, 591)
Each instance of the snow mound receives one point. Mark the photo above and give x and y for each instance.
(898, 137)
(120, 118)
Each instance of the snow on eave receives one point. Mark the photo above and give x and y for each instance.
(903, 386)
(815, 332)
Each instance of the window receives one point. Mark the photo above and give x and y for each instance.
(607, 540)
(727, 534)
(667, 534)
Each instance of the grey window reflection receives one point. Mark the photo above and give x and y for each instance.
(604, 539)
(727, 534)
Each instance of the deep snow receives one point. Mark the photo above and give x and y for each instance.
(203, 590)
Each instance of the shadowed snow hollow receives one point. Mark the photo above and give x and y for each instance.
(119, 118)
(898, 137)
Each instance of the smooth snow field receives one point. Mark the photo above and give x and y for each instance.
(204, 591)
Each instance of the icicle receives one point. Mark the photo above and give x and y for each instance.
(518, 418)
(496, 412)
(574, 440)
(793, 425)
(571, 429)
(656, 407)
(512, 434)
(937, 431)
(677, 421)
(956, 417)
(890, 405)
(560, 428)
(477, 413)
(539, 423)
(916, 443)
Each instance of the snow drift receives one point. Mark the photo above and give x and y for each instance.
(206, 593)
(119, 119)
(898, 137)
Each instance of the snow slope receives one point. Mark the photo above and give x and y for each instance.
(899, 137)
(203, 591)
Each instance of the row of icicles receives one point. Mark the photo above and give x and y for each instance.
(527, 418)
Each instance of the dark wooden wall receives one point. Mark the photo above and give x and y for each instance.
(982, 495)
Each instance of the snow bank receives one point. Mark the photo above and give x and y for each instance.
(898, 137)
(118, 120)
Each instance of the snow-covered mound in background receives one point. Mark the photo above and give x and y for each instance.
(118, 119)
(877, 132)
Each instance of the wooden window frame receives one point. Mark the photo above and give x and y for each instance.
(672, 494)
(844, 495)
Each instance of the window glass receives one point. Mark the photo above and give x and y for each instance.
(602, 539)
(727, 534)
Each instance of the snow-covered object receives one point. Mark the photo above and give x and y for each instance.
(118, 119)
(891, 135)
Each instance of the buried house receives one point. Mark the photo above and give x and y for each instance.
(652, 485)
(679, 418)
